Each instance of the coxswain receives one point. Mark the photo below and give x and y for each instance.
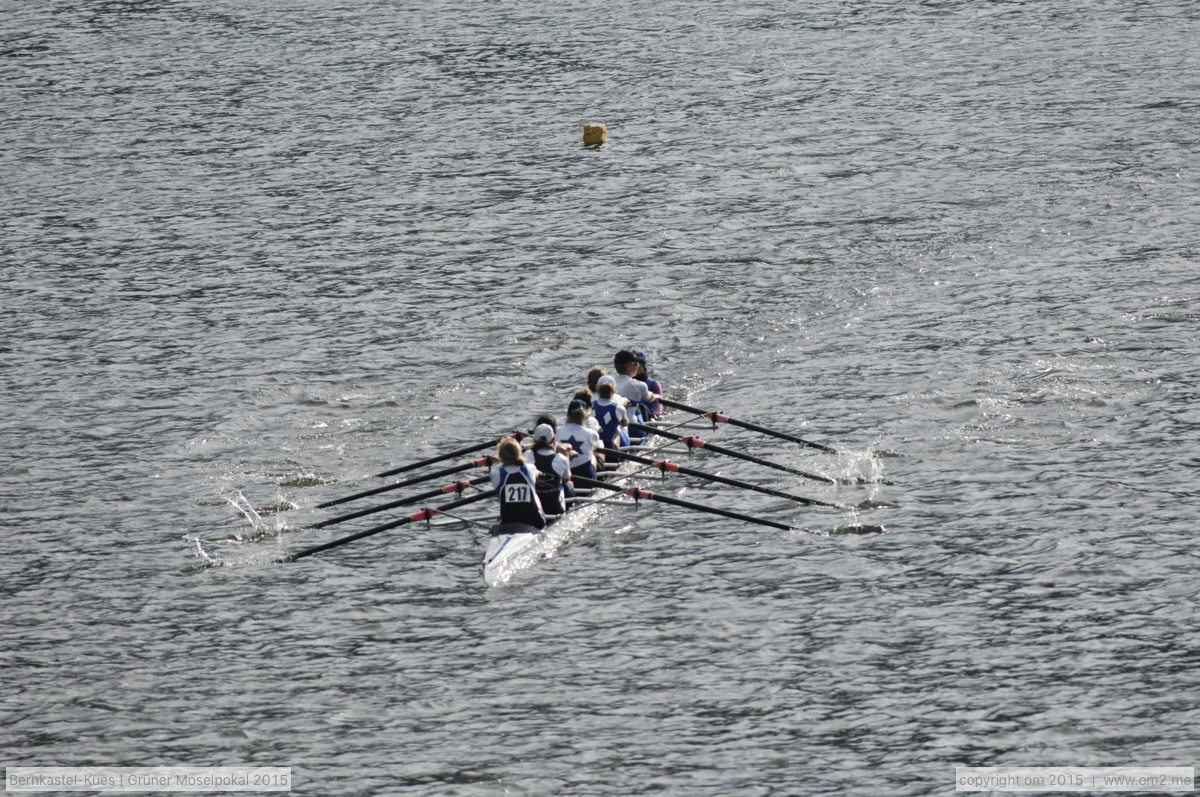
(655, 408)
(610, 413)
(554, 471)
(579, 436)
(515, 481)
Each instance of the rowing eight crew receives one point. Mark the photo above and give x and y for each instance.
(529, 491)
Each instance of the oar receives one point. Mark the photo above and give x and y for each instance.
(637, 493)
(720, 417)
(667, 466)
(696, 442)
(475, 463)
(453, 487)
(424, 514)
(443, 457)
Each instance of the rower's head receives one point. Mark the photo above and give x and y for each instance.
(543, 435)
(508, 451)
(547, 420)
(594, 376)
(606, 386)
(642, 373)
(577, 410)
(625, 362)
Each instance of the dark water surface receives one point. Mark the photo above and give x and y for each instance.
(255, 252)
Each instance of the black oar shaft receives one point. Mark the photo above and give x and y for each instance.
(696, 442)
(720, 417)
(424, 514)
(440, 458)
(667, 466)
(477, 463)
(638, 493)
(458, 487)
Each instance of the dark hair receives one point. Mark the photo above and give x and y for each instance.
(577, 409)
(546, 419)
(623, 358)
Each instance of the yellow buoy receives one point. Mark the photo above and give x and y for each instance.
(594, 135)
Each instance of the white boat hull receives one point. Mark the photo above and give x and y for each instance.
(508, 553)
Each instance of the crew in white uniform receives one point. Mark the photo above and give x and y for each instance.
(582, 438)
(628, 385)
(636, 391)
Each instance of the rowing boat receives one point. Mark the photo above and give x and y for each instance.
(514, 547)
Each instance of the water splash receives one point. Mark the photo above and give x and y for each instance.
(263, 524)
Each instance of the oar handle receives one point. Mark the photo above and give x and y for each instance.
(424, 514)
(720, 417)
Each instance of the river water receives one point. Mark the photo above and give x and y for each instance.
(254, 253)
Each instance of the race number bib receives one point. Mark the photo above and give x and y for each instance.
(517, 493)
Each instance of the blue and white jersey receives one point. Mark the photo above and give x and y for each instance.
(516, 487)
(637, 393)
(609, 413)
(584, 440)
(553, 472)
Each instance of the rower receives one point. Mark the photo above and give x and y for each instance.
(639, 395)
(554, 471)
(578, 435)
(515, 481)
(610, 412)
